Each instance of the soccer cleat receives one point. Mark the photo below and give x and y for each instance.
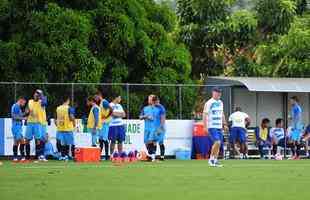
(66, 158)
(42, 158)
(162, 158)
(15, 160)
(211, 163)
(217, 164)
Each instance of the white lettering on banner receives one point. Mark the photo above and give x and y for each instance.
(179, 135)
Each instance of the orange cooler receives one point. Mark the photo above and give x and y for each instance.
(199, 129)
(87, 154)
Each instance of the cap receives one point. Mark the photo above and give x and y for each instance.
(39, 91)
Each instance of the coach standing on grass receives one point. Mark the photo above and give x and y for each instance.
(214, 122)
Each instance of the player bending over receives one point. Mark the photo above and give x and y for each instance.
(65, 122)
(239, 122)
(17, 127)
(117, 132)
(214, 122)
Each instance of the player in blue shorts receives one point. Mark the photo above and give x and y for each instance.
(36, 117)
(147, 114)
(238, 132)
(17, 127)
(65, 121)
(117, 131)
(106, 112)
(214, 122)
(94, 123)
(160, 124)
(297, 125)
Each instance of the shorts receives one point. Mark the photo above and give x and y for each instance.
(58, 135)
(215, 134)
(104, 132)
(66, 137)
(160, 136)
(238, 134)
(33, 130)
(43, 132)
(117, 133)
(17, 131)
(281, 143)
(94, 136)
(149, 135)
(296, 135)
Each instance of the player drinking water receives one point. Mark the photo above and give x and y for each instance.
(17, 125)
(214, 122)
(36, 110)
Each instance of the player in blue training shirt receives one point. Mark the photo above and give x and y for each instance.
(17, 125)
(147, 114)
(160, 125)
(296, 124)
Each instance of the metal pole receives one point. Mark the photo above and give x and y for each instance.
(72, 93)
(180, 101)
(127, 94)
(15, 91)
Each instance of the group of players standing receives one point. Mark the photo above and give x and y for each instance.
(265, 136)
(105, 123)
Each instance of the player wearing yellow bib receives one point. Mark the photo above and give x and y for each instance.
(106, 112)
(35, 120)
(94, 123)
(65, 122)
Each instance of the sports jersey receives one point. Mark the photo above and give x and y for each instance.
(150, 111)
(277, 133)
(296, 113)
(158, 115)
(214, 109)
(117, 121)
(36, 111)
(238, 119)
(16, 113)
(105, 111)
(94, 119)
(64, 123)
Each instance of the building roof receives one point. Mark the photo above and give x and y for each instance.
(262, 84)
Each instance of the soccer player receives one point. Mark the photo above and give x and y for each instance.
(214, 122)
(262, 137)
(106, 112)
(117, 132)
(34, 124)
(94, 123)
(238, 132)
(147, 114)
(17, 125)
(306, 139)
(277, 135)
(65, 121)
(160, 122)
(296, 124)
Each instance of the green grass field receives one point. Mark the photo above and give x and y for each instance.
(172, 179)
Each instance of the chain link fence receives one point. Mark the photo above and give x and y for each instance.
(181, 101)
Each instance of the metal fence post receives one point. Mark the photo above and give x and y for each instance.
(127, 94)
(15, 91)
(180, 101)
(72, 93)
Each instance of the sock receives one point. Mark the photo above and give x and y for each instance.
(22, 150)
(27, 148)
(154, 148)
(106, 149)
(274, 149)
(297, 149)
(42, 147)
(101, 145)
(63, 150)
(73, 151)
(67, 148)
(58, 146)
(162, 150)
(261, 151)
(15, 147)
(149, 148)
(211, 157)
